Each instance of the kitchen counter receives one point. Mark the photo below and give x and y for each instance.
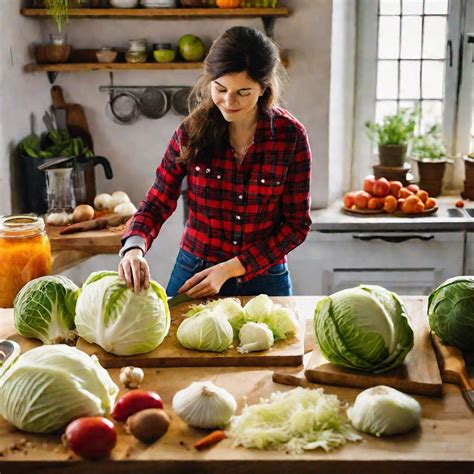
(334, 219)
(72, 249)
(444, 444)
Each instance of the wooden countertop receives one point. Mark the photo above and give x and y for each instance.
(71, 249)
(444, 444)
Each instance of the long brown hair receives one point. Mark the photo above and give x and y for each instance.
(237, 49)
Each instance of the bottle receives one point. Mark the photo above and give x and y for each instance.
(25, 254)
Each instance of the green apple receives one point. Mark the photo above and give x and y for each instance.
(164, 55)
(191, 48)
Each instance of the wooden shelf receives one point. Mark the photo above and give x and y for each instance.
(161, 12)
(85, 67)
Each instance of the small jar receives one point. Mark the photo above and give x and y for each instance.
(137, 45)
(25, 254)
(106, 55)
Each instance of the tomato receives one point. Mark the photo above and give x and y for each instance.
(368, 184)
(381, 187)
(361, 199)
(91, 437)
(395, 187)
(459, 203)
(134, 401)
(349, 200)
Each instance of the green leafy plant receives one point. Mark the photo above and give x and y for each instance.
(58, 9)
(57, 144)
(397, 129)
(429, 146)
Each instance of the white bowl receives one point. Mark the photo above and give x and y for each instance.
(124, 3)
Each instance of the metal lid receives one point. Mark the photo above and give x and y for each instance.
(21, 225)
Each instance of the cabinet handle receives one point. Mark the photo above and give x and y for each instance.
(394, 238)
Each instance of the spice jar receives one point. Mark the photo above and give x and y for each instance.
(25, 254)
(136, 51)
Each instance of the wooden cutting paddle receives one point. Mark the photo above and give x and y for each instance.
(94, 224)
(453, 368)
(76, 121)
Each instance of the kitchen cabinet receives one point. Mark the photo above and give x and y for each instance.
(407, 263)
(469, 254)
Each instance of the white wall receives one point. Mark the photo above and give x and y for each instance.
(135, 150)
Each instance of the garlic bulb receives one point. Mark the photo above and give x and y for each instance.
(204, 405)
(383, 410)
(125, 209)
(118, 197)
(131, 377)
(57, 218)
(103, 201)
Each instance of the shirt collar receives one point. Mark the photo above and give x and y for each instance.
(265, 126)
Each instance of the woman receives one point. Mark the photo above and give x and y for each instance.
(247, 164)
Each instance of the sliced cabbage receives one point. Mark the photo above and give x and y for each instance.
(365, 328)
(294, 421)
(110, 314)
(383, 410)
(205, 332)
(255, 337)
(47, 387)
(44, 309)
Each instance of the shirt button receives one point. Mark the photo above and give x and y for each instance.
(208, 170)
(237, 217)
(240, 196)
(219, 176)
(278, 182)
(197, 168)
(262, 180)
(235, 242)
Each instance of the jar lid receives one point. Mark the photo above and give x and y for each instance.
(21, 225)
(106, 48)
(161, 46)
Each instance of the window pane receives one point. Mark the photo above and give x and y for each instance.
(431, 113)
(411, 37)
(410, 79)
(434, 38)
(383, 108)
(412, 7)
(389, 34)
(436, 7)
(389, 7)
(387, 80)
(432, 80)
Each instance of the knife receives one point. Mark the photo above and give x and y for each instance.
(178, 299)
(100, 223)
(453, 368)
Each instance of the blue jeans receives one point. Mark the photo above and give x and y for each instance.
(275, 282)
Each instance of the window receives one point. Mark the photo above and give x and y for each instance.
(413, 52)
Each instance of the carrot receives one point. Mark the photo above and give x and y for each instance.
(210, 439)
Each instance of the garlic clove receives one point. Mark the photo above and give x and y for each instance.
(131, 377)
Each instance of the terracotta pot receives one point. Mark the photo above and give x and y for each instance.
(392, 156)
(52, 53)
(431, 176)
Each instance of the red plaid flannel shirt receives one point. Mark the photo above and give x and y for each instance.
(257, 211)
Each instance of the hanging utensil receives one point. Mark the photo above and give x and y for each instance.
(123, 107)
(154, 102)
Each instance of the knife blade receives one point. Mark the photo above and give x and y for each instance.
(100, 223)
(178, 299)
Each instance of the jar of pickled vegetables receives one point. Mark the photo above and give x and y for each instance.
(25, 254)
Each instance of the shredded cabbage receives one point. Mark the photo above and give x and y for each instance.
(294, 421)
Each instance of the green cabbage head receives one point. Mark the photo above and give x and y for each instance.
(451, 312)
(44, 309)
(365, 328)
(110, 314)
(47, 387)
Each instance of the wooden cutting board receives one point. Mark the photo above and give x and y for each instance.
(171, 354)
(419, 374)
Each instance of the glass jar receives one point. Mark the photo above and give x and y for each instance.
(136, 57)
(25, 254)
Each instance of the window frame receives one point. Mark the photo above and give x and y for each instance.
(457, 86)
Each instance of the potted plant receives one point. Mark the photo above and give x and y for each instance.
(58, 9)
(468, 192)
(429, 152)
(393, 136)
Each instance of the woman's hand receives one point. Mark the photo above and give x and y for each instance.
(209, 281)
(134, 268)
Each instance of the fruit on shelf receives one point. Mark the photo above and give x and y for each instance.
(381, 187)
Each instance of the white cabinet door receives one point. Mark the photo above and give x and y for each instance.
(407, 263)
(469, 254)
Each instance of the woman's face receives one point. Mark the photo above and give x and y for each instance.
(236, 95)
